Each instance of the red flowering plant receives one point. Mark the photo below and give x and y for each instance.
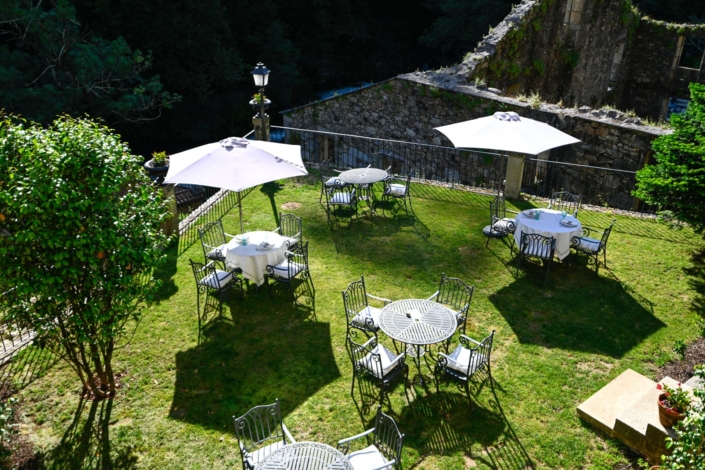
(676, 400)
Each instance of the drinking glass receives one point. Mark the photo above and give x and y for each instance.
(564, 213)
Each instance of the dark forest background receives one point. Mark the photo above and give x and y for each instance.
(173, 74)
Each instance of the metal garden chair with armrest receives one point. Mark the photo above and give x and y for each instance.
(593, 246)
(213, 241)
(565, 201)
(500, 225)
(212, 280)
(375, 362)
(260, 432)
(295, 265)
(290, 227)
(358, 311)
(398, 191)
(341, 196)
(467, 358)
(456, 294)
(534, 245)
(385, 449)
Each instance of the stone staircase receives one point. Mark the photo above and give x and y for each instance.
(626, 409)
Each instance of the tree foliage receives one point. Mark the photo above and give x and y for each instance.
(79, 237)
(677, 181)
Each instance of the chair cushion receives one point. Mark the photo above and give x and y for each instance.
(282, 269)
(291, 241)
(257, 456)
(340, 198)
(369, 457)
(398, 190)
(213, 254)
(505, 225)
(333, 181)
(217, 280)
(368, 312)
(591, 244)
(386, 357)
(459, 360)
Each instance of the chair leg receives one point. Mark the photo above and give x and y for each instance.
(269, 288)
(547, 271)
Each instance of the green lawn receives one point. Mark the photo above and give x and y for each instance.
(554, 346)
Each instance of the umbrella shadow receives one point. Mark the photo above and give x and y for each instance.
(271, 189)
(697, 280)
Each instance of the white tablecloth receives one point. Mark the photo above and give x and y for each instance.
(250, 259)
(549, 225)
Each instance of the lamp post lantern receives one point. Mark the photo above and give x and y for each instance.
(261, 121)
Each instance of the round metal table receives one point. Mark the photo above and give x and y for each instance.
(363, 176)
(417, 323)
(305, 456)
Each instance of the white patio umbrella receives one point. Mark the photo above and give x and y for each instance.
(508, 132)
(235, 164)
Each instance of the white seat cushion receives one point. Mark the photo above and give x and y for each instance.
(369, 457)
(333, 181)
(589, 244)
(257, 456)
(460, 358)
(386, 357)
(368, 312)
(397, 189)
(504, 224)
(217, 280)
(213, 254)
(340, 198)
(282, 269)
(290, 241)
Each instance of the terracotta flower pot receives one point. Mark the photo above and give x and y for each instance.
(667, 416)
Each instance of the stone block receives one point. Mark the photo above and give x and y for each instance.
(602, 131)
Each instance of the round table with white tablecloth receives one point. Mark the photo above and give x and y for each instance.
(549, 224)
(252, 258)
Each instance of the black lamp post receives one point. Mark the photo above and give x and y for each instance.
(261, 77)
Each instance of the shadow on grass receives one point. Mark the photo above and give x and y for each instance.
(577, 310)
(271, 189)
(87, 442)
(697, 280)
(243, 361)
(26, 366)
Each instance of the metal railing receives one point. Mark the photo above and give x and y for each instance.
(13, 337)
(599, 186)
(426, 162)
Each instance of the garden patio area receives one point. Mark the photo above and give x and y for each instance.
(555, 345)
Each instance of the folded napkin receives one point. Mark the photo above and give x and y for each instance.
(265, 245)
(568, 223)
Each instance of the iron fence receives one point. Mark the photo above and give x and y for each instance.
(598, 186)
(426, 162)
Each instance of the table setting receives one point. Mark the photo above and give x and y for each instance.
(549, 223)
(253, 251)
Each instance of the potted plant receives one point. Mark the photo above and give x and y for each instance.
(256, 101)
(158, 165)
(672, 404)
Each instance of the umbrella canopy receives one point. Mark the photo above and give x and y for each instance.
(235, 164)
(508, 132)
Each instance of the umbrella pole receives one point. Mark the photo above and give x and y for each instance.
(239, 204)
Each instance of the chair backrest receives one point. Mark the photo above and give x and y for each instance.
(212, 236)
(298, 260)
(258, 426)
(355, 298)
(201, 272)
(344, 190)
(455, 292)
(290, 226)
(387, 437)
(536, 245)
(564, 200)
(364, 359)
(606, 235)
(498, 209)
(479, 353)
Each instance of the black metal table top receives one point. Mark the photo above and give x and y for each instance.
(305, 456)
(416, 321)
(363, 176)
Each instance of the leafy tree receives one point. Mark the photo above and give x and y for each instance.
(50, 65)
(677, 181)
(79, 237)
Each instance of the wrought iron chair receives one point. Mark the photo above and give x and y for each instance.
(213, 241)
(593, 246)
(500, 225)
(467, 358)
(534, 245)
(212, 280)
(295, 265)
(341, 196)
(385, 450)
(329, 183)
(359, 313)
(375, 362)
(260, 432)
(398, 191)
(290, 227)
(565, 201)
(457, 295)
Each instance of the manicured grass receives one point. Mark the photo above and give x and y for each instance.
(555, 345)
